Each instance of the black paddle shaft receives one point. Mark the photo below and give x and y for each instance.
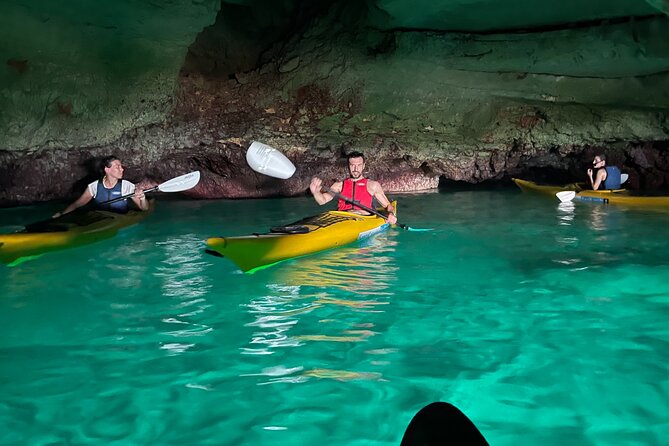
(361, 206)
(125, 197)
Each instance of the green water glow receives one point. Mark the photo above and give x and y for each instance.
(545, 323)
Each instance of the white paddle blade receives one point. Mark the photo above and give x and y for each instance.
(269, 161)
(566, 195)
(623, 178)
(178, 184)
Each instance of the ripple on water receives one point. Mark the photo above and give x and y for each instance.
(544, 323)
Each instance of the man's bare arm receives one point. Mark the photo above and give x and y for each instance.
(316, 187)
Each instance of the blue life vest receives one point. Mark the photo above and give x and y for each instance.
(613, 179)
(103, 194)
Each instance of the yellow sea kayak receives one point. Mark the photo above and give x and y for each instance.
(621, 197)
(71, 230)
(531, 186)
(310, 235)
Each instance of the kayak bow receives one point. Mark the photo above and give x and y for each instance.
(308, 236)
(77, 228)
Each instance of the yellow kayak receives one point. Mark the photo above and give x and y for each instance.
(531, 186)
(310, 235)
(68, 231)
(621, 197)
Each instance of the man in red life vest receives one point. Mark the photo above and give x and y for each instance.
(356, 187)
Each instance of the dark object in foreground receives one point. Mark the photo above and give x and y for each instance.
(442, 424)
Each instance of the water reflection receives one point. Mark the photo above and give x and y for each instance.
(593, 238)
(297, 375)
(341, 375)
(128, 275)
(365, 269)
(181, 275)
(600, 218)
(181, 271)
(566, 213)
(325, 299)
(276, 313)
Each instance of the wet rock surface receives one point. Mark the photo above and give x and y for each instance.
(53, 174)
(426, 106)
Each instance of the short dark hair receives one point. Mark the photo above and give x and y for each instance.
(355, 154)
(107, 162)
(602, 157)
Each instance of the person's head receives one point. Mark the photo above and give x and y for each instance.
(356, 164)
(112, 167)
(599, 161)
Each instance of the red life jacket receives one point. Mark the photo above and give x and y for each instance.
(355, 190)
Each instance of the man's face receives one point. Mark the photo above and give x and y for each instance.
(596, 162)
(355, 167)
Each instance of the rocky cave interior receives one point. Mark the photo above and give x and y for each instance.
(450, 92)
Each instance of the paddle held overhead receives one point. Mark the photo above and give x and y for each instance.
(269, 161)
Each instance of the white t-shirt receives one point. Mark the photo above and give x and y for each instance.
(127, 188)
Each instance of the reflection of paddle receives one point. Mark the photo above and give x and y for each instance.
(370, 210)
(440, 424)
(178, 184)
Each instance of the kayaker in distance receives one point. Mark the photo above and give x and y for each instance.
(606, 176)
(356, 187)
(110, 186)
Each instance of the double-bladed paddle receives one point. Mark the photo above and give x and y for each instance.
(569, 195)
(371, 211)
(269, 161)
(566, 195)
(178, 184)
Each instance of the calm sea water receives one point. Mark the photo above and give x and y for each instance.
(546, 324)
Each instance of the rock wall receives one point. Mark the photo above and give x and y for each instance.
(81, 73)
(453, 106)
(182, 86)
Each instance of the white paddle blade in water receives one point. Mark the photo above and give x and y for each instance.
(178, 184)
(269, 161)
(566, 195)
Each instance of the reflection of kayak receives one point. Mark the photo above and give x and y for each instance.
(68, 231)
(364, 269)
(617, 196)
(310, 235)
(531, 186)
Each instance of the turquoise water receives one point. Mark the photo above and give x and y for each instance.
(546, 324)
